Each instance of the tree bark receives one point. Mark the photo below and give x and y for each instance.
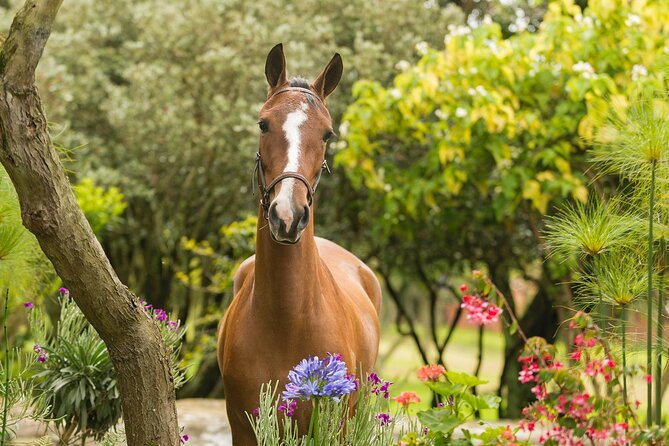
(50, 211)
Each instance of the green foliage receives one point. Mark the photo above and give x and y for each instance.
(213, 271)
(101, 207)
(458, 404)
(76, 376)
(504, 117)
(21, 263)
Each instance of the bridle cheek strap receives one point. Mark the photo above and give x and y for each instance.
(266, 189)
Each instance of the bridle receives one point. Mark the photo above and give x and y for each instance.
(259, 173)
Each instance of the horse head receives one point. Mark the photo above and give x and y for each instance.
(295, 126)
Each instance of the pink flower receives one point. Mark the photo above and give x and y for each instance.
(28, 305)
(649, 378)
(407, 398)
(480, 312)
(575, 355)
(528, 373)
(431, 372)
(463, 287)
(63, 290)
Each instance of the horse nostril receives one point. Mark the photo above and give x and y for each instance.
(304, 220)
(273, 215)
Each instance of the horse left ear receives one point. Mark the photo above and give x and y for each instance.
(327, 81)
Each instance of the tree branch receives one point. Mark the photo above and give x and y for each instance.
(394, 295)
(27, 37)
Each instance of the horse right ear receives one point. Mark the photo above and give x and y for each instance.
(275, 67)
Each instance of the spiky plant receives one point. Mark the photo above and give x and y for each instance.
(588, 231)
(618, 279)
(633, 144)
(19, 251)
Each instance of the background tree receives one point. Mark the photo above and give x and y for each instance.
(458, 161)
(49, 211)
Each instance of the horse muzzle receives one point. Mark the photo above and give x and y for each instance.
(286, 224)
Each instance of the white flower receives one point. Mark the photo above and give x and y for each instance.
(480, 89)
(632, 20)
(402, 65)
(396, 93)
(421, 48)
(639, 71)
(460, 112)
(584, 68)
(343, 128)
(441, 114)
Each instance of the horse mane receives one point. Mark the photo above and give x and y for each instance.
(300, 82)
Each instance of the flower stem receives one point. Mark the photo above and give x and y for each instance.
(623, 329)
(660, 333)
(649, 297)
(5, 408)
(313, 424)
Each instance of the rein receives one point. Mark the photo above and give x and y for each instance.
(259, 173)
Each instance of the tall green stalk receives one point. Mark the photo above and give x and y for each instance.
(649, 297)
(660, 333)
(623, 329)
(5, 408)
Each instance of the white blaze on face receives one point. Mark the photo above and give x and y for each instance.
(291, 128)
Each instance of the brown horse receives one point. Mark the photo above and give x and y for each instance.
(299, 295)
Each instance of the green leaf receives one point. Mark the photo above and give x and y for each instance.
(464, 379)
(439, 420)
(482, 401)
(446, 389)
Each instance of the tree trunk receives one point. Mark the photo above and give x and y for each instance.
(50, 211)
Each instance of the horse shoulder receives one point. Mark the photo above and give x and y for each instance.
(244, 272)
(243, 279)
(344, 265)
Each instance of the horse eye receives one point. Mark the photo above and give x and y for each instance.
(264, 126)
(327, 136)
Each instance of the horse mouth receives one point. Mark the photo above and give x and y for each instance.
(285, 241)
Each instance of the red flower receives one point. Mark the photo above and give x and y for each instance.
(406, 398)
(431, 372)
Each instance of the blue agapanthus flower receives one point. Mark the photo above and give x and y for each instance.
(316, 378)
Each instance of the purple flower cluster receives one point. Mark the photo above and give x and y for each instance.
(289, 407)
(316, 378)
(41, 353)
(379, 387)
(64, 291)
(384, 418)
(159, 314)
(28, 305)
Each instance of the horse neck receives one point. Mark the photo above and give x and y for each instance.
(287, 277)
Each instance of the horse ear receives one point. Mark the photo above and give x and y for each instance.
(275, 67)
(327, 81)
